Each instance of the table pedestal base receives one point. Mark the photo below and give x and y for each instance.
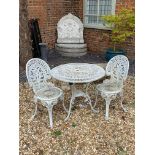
(77, 93)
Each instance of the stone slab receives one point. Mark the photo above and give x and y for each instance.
(72, 45)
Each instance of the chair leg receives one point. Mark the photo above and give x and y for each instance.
(122, 98)
(50, 109)
(108, 100)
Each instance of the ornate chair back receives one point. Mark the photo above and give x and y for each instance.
(117, 68)
(37, 72)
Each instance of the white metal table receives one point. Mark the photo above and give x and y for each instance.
(73, 73)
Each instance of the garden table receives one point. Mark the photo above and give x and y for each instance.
(73, 73)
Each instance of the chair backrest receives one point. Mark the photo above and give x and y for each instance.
(37, 73)
(118, 67)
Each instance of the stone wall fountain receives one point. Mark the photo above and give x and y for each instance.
(70, 40)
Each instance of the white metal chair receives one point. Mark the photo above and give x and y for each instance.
(117, 68)
(38, 72)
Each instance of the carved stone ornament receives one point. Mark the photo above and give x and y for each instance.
(70, 30)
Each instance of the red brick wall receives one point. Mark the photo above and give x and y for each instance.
(97, 39)
(50, 11)
(38, 9)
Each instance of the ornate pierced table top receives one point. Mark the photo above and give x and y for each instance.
(78, 72)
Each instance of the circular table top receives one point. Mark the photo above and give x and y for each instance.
(78, 72)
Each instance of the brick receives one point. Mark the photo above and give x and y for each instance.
(50, 11)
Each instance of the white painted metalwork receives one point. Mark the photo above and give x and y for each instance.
(38, 72)
(117, 68)
(78, 73)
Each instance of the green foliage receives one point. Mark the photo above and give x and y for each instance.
(74, 124)
(57, 133)
(122, 25)
(121, 151)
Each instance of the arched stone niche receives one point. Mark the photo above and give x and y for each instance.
(70, 37)
(70, 30)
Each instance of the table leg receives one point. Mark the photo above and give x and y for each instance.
(89, 99)
(73, 89)
(77, 93)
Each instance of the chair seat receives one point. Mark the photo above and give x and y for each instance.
(49, 93)
(109, 87)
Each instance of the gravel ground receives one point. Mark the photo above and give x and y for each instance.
(85, 133)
